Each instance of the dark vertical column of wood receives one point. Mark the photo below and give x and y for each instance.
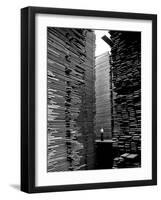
(103, 96)
(111, 97)
(126, 80)
(70, 99)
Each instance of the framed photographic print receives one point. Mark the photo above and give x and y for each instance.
(88, 99)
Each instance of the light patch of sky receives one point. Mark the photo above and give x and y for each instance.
(101, 45)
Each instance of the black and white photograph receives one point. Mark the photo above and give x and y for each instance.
(89, 86)
(93, 99)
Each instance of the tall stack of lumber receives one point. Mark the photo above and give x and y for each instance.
(126, 87)
(103, 96)
(71, 99)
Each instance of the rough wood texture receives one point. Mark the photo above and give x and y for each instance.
(126, 86)
(103, 96)
(71, 99)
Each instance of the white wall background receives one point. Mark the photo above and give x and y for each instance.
(10, 99)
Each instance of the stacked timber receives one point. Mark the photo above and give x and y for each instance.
(103, 96)
(126, 86)
(71, 99)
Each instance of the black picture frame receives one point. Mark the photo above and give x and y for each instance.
(28, 98)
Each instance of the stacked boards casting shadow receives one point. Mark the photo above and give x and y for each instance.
(75, 78)
(126, 108)
(71, 99)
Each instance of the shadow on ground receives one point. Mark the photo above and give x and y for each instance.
(15, 186)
